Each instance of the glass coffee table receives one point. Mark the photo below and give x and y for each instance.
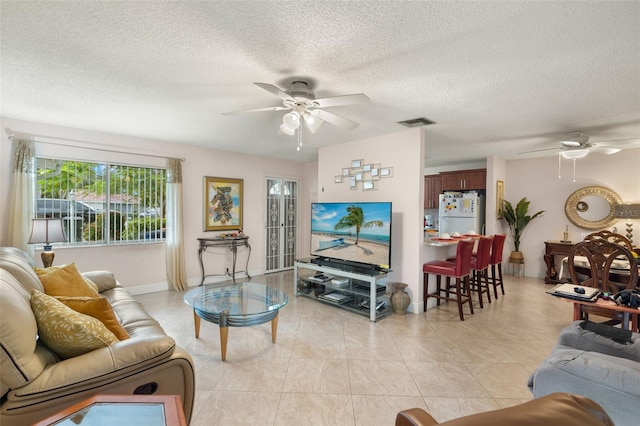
(237, 305)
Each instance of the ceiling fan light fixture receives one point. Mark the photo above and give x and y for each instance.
(291, 120)
(286, 130)
(313, 123)
(575, 153)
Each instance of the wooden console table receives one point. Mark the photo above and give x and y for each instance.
(553, 249)
(232, 243)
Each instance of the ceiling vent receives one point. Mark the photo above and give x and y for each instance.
(416, 122)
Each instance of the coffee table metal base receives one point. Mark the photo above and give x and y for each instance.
(225, 321)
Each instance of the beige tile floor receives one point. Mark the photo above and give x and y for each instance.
(332, 367)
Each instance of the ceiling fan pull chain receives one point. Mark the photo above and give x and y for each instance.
(559, 166)
(574, 169)
(299, 138)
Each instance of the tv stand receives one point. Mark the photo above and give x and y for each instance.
(336, 284)
(359, 268)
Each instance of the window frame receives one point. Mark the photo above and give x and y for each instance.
(100, 174)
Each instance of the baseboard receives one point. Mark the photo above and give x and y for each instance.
(191, 282)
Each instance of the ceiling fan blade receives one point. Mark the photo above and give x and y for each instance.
(276, 91)
(257, 110)
(542, 150)
(335, 119)
(604, 150)
(358, 98)
(620, 143)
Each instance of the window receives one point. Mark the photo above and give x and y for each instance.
(102, 203)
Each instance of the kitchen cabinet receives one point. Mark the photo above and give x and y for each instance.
(464, 180)
(432, 188)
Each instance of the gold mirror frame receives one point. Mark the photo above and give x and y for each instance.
(574, 205)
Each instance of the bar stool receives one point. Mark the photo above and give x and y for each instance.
(460, 270)
(480, 268)
(496, 262)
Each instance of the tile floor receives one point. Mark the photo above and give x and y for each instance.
(332, 367)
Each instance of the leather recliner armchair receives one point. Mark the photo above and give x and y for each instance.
(555, 409)
(35, 383)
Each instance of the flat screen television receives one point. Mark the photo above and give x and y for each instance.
(354, 234)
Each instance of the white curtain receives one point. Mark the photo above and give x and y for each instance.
(176, 272)
(22, 194)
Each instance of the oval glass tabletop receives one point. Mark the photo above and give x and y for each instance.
(243, 299)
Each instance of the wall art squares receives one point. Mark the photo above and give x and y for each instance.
(222, 203)
(364, 175)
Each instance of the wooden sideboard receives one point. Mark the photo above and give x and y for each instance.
(551, 250)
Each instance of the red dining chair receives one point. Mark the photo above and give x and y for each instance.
(480, 268)
(496, 263)
(460, 270)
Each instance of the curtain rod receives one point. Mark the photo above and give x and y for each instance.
(12, 136)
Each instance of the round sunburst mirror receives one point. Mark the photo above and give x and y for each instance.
(592, 207)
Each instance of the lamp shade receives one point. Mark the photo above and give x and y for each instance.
(47, 231)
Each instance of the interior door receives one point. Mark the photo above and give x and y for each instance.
(281, 229)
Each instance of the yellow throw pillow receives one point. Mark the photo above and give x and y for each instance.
(98, 308)
(42, 271)
(65, 331)
(66, 281)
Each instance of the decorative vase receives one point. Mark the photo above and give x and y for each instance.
(516, 257)
(399, 299)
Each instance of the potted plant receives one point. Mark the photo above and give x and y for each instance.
(518, 219)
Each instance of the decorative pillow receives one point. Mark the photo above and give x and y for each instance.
(66, 281)
(65, 331)
(98, 308)
(42, 271)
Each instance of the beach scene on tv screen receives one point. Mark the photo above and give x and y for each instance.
(359, 232)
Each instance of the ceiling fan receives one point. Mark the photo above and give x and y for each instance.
(577, 145)
(302, 105)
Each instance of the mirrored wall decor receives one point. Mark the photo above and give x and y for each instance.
(368, 174)
(593, 207)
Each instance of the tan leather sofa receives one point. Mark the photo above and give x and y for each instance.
(35, 383)
(561, 409)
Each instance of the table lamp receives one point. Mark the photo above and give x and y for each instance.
(47, 231)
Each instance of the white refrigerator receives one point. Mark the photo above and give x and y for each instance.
(461, 212)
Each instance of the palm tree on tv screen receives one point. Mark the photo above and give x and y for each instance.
(355, 218)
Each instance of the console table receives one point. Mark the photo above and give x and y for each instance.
(553, 249)
(232, 243)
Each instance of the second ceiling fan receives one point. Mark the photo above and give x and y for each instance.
(577, 145)
(303, 106)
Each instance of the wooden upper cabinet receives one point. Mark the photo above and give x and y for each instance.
(432, 188)
(464, 180)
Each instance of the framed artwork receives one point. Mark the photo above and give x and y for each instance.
(359, 176)
(346, 172)
(338, 179)
(386, 172)
(352, 183)
(222, 203)
(368, 185)
(366, 168)
(499, 198)
(356, 164)
(375, 172)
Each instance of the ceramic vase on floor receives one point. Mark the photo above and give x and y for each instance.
(399, 299)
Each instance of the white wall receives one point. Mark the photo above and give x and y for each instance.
(496, 170)
(404, 151)
(537, 179)
(143, 266)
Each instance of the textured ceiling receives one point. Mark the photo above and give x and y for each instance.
(498, 78)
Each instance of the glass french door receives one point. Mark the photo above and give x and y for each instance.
(282, 218)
